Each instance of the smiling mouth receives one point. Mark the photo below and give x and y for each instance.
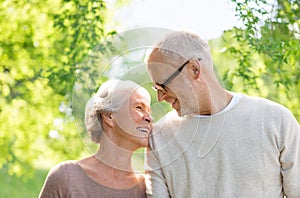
(144, 129)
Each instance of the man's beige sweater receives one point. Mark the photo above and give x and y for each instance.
(251, 150)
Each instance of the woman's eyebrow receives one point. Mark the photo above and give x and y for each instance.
(144, 106)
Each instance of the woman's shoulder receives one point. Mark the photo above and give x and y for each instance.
(70, 164)
(63, 168)
(57, 180)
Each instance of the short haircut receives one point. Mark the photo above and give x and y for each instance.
(185, 45)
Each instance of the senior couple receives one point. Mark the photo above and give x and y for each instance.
(216, 143)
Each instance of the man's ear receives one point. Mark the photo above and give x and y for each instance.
(107, 118)
(195, 68)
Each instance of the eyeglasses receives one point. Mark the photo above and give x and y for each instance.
(163, 85)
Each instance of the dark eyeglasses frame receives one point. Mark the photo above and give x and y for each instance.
(176, 73)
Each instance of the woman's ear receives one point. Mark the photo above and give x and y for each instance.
(107, 118)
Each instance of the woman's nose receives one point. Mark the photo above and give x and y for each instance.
(148, 118)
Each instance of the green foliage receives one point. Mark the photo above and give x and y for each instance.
(41, 46)
(81, 26)
(48, 46)
(265, 51)
(13, 186)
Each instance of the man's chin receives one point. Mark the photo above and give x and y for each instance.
(182, 112)
(179, 112)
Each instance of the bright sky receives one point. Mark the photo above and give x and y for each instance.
(207, 18)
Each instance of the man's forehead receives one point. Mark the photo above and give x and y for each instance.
(157, 56)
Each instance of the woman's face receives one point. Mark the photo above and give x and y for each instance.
(133, 121)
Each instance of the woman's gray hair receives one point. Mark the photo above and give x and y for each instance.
(185, 45)
(109, 98)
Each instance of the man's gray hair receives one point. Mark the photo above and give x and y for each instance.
(185, 45)
(109, 98)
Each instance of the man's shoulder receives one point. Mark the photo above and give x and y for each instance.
(264, 105)
(166, 128)
(169, 121)
(171, 116)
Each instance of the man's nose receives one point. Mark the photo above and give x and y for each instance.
(161, 95)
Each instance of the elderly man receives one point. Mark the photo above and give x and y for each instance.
(222, 144)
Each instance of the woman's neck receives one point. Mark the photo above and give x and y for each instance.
(114, 156)
(110, 166)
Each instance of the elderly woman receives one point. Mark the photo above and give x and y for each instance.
(118, 119)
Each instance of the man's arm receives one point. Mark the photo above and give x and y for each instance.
(290, 155)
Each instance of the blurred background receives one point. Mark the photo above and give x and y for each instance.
(53, 56)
